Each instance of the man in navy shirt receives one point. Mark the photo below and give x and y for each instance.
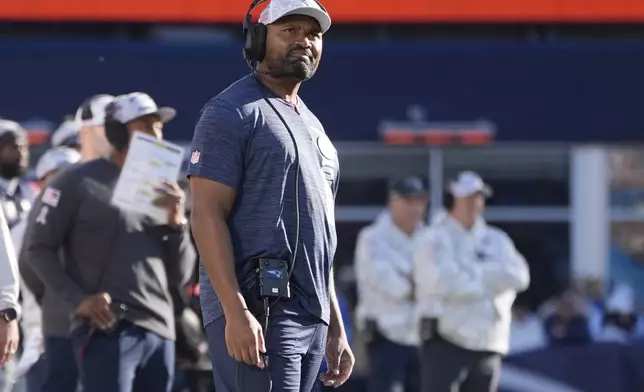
(243, 178)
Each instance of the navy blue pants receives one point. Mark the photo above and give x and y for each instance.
(61, 368)
(392, 366)
(295, 345)
(130, 359)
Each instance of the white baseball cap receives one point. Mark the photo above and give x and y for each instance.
(92, 111)
(469, 183)
(67, 133)
(56, 159)
(131, 106)
(278, 9)
(8, 126)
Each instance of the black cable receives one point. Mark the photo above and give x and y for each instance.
(267, 310)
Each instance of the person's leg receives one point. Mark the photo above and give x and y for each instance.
(387, 365)
(412, 374)
(61, 368)
(484, 374)
(156, 372)
(35, 377)
(312, 361)
(288, 339)
(108, 361)
(231, 376)
(443, 366)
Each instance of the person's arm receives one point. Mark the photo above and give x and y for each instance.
(50, 221)
(9, 273)
(336, 324)
(436, 272)
(29, 276)
(511, 272)
(214, 179)
(180, 257)
(375, 268)
(216, 171)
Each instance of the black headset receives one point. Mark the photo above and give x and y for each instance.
(255, 36)
(115, 132)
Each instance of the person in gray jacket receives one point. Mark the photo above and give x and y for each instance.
(87, 130)
(117, 265)
(467, 275)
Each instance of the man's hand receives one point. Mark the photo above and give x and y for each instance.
(97, 309)
(172, 198)
(245, 338)
(9, 337)
(340, 361)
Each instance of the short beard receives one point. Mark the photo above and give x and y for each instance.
(12, 170)
(286, 67)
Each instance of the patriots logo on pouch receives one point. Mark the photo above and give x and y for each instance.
(51, 197)
(194, 159)
(276, 274)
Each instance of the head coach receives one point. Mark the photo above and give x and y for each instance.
(263, 176)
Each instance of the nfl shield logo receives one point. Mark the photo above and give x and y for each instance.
(195, 157)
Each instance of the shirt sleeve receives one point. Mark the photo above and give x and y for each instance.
(509, 272)
(436, 272)
(180, 258)
(375, 268)
(219, 145)
(50, 222)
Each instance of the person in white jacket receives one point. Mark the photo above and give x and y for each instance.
(9, 307)
(467, 275)
(386, 306)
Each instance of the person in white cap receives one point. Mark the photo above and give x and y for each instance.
(386, 304)
(67, 135)
(263, 178)
(90, 121)
(53, 161)
(467, 275)
(117, 267)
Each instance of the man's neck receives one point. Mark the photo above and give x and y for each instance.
(405, 227)
(89, 154)
(466, 221)
(286, 88)
(118, 157)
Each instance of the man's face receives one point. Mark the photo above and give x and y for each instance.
(293, 47)
(150, 125)
(408, 209)
(472, 206)
(14, 157)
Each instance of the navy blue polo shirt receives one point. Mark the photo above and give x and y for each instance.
(241, 142)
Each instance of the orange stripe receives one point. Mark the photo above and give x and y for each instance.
(340, 10)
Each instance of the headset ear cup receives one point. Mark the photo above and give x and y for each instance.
(248, 38)
(260, 34)
(115, 132)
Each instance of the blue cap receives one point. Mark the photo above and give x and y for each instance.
(408, 186)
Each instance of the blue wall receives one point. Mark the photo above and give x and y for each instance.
(568, 92)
